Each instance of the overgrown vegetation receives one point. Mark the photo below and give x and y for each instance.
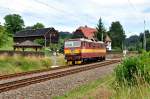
(14, 64)
(40, 41)
(130, 80)
(3, 36)
(134, 70)
(8, 45)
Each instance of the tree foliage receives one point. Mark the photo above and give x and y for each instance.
(3, 36)
(133, 42)
(117, 34)
(40, 41)
(100, 30)
(13, 23)
(147, 35)
(38, 26)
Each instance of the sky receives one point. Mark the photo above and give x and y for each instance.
(68, 15)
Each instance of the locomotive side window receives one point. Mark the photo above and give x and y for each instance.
(103, 45)
(94, 45)
(83, 44)
(89, 45)
(86, 44)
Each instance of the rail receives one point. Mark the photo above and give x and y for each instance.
(33, 80)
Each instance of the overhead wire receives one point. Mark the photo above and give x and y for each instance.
(50, 7)
(134, 9)
(72, 15)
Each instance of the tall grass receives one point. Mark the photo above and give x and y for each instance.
(134, 70)
(132, 78)
(8, 45)
(14, 64)
(58, 60)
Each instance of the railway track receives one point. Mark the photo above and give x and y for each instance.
(33, 80)
(2, 77)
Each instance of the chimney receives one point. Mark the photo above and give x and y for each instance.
(86, 26)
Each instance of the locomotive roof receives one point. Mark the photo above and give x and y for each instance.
(83, 39)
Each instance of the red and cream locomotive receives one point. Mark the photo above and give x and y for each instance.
(82, 50)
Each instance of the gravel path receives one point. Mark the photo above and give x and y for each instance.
(59, 86)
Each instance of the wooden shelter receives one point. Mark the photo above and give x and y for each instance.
(49, 35)
(27, 44)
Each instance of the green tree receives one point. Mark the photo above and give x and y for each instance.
(38, 26)
(3, 36)
(147, 34)
(141, 37)
(13, 23)
(117, 35)
(100, 30)
(40, 41)
(133, 42)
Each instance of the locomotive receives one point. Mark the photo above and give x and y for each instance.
(83, 50)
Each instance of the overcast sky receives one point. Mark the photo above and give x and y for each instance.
(67, 15)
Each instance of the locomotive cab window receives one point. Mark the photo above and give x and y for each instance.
(69, 44)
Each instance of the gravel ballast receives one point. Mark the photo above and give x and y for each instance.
(59, 86)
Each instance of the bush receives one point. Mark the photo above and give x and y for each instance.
(40, 41)
(134, 70)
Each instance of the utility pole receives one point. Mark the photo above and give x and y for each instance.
(144, 39)
(50, 39)
(45, 46)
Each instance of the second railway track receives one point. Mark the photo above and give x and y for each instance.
(37, 79)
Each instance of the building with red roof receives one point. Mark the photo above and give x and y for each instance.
(85, 32)
(90, 33)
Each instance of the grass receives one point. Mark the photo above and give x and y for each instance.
(60, 60)
(85, 90)
(103, 89)
(136, 92)
(130, 80)
(15, 64)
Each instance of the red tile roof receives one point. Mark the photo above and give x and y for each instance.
(88, 32)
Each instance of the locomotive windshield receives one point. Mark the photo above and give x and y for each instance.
(69, 44)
